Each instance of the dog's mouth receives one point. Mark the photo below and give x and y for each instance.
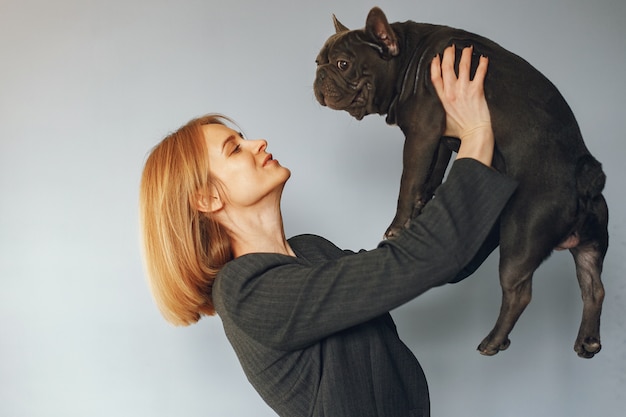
(357, 104)
(358, 108)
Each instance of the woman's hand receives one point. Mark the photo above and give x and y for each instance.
(467, 114)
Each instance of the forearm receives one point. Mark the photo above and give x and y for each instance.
(464, 210)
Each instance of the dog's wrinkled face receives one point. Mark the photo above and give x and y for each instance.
(355, 67)
(342, 82)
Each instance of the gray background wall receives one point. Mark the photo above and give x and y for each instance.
(87, 87)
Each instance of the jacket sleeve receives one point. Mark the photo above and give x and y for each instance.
(287, 303)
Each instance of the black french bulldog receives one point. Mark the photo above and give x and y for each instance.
(385, 69)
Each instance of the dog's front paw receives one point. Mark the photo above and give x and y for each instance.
(393, 231)
(398, 224)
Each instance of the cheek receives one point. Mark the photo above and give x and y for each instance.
(241, 187)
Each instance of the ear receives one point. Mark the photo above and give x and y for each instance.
(339, 27)
(208, 202)
(378, 28)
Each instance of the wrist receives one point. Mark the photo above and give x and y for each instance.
(477, 143)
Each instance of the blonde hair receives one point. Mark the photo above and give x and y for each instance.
(183, 248)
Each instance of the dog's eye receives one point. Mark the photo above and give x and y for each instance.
(343, 65)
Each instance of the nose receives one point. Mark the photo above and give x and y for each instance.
(258, 145)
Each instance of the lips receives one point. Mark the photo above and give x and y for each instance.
(268, 159)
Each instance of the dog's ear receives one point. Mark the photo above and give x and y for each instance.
(339, 27)
(379, 29)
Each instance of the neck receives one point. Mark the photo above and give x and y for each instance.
(256, 230)
(253, 237)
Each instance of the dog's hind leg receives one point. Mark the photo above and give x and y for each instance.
(516, 283)
(588, 268)
(589, 258)
(524, 245)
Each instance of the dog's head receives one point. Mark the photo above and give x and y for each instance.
(356, 68)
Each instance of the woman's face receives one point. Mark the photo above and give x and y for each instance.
(245, 170)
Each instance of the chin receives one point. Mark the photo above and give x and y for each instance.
(358, 112)
(287, 174)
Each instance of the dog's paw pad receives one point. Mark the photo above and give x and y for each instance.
(588, 348)
(486, 347)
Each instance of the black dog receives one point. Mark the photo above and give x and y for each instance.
(384, 68)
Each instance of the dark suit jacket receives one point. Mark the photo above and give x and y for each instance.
(313, 333)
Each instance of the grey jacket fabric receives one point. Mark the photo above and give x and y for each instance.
(313, 333)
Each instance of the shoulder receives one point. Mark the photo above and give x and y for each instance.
(238, 278)
(245, 272)
(316, 248)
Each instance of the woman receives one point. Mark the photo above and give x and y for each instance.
(309, 322)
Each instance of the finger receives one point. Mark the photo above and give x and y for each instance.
(481, 72)
(465, 63)
(435, 74)
(447, 67)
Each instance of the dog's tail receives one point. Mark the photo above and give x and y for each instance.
(590, 180)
